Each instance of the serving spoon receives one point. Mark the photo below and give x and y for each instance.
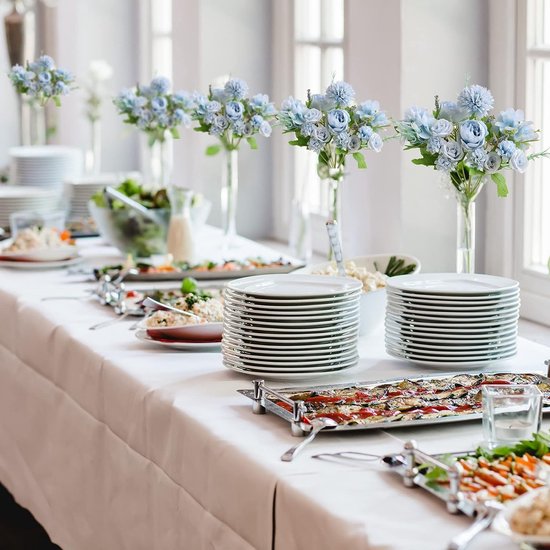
(317, 425)
(336, 245)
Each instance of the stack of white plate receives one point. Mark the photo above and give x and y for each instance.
(78, 192)
(20, 199)
(291, 326)
(452, 320)
(44, 166)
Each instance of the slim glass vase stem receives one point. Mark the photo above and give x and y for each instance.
(334, 205)
(229, 193)
(465, 236)
(95, 150)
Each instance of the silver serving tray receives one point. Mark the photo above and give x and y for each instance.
(260, 396)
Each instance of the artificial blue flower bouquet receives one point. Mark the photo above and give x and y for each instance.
(154, 110)
(230, 115)
(332, 126)
(464, 140)
(41, 81)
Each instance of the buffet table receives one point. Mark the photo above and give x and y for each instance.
(113, 444)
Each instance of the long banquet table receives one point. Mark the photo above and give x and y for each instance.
(113, 444)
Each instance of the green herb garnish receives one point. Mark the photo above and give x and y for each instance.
(396, 267)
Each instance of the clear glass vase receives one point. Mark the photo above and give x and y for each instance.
(299, 239)
(229, 194)
(465, 235)
(161, 162)
(33, 123)
(93, 155)
(335, 204)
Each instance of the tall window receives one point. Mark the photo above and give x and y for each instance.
(536, 249)
(161, 37)
(319, 58)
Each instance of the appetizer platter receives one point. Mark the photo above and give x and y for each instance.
(230, 269)
(468, 481)
(387, 404)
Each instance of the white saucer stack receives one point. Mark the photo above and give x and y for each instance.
(291, 326)
(44, 166)
(452, 320)
(26, 199)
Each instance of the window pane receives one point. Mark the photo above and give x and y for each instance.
(333, 20)
(161, 16)
(307, 71)
(307, 19)
(333, 66)
(162, 56)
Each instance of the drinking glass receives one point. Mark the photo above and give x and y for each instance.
(510, 413)
(22, 220)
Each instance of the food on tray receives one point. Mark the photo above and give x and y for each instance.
(395, 402)
(534, 518)
(37, 238)
(145, 269)
(501, 474)
(206, 305)
(397, 267)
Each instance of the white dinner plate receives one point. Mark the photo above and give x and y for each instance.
(294, 286)
(318, 340)
(289, 362)
(54, 254)
(297, 368)
(450, 332)
(429, 351)
(457, 305)
(458, 309)
(429, 300)
(292, 322)
(268, 328)
(287, 354)
(276, 346)
(273, 309)
(454, 359)
(445, 365)
(444, 326)
(475, 316)
(463, 284)
(287, 375)
(305, 316)
(460, 339)
(177, 345)
(40, 265)
(203, 332)
(292, 302)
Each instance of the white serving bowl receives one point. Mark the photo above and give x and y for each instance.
(373, 303)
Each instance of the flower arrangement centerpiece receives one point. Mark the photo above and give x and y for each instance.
(470, 146)
(95, 92)
(231, 116)
(38, 83)
(158, 113)
(334, 127)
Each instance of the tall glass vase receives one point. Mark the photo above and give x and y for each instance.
(33, 123)
(161, 162)
(335, 204)
(93, 155)
(465, 235)
(229, 193)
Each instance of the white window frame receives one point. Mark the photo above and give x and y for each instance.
(505, 218)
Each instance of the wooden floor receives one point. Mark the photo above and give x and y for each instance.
(18, 529)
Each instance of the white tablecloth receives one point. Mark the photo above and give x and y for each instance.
(113, 444)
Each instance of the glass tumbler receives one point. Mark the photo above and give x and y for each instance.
(510, 413)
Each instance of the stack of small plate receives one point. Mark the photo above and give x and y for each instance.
(44, 166)
(291, 326)
(19, 199)
(452, 320)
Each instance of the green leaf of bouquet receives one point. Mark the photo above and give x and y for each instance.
(212, 150)
(294, 142)
(423, 161)
(57, 101)
(500, 180)
(360, 159)
(175, 133)
(252, 142)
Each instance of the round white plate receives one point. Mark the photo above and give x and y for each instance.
(292, 375)
(446, 352)
(461, 340)
(445, 326)
(458, 315)
(176, 345)
(290, 362)
(294, 286)
(282, 340)
(40, 265)
(285, 353)
(453, 359)
(317, 309)
(292, 302)
(292, 322)
(320, 315)
(453, 365)
(254, 344)
(203, 332)
(462, 284)
(501, 523)
(290, 331)
(450, 300)
(56, 254)
(298, 368)
(458, 307)
(437, 332)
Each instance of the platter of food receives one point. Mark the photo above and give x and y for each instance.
(468, 481)
(230, 269)
(387, 404)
